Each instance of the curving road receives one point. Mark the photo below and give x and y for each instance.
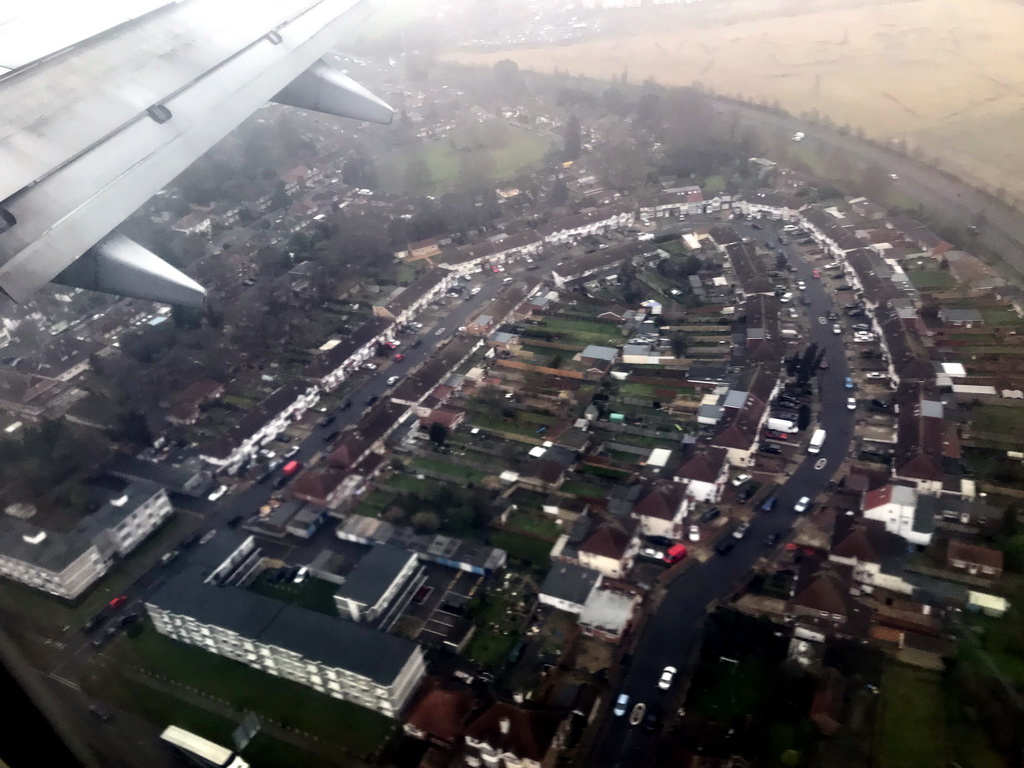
(957, 202)
(670, 635)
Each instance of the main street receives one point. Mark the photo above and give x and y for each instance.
(671, 635)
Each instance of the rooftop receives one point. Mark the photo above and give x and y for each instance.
(572, 583)
(374, 574)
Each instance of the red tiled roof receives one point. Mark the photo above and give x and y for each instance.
(607, 540)
(438, 712)
(527, 734)
(705, 466)
(972, 553)
(660, 502)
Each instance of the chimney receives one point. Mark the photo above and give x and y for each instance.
(504, 725)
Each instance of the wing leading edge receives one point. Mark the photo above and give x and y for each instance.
(99, 128)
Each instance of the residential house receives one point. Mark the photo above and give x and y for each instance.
(323, 487)
(567, 587)
(961, 318)
(661, 509)
(186, 409)
(421, 249)
(438, 713)
(974, 560)
(590, 222)
(925, 442)
(510, 736)
(608, 614)
(260, 425)
(197, 222)
(611, 548)
(705, 473)
(338, 358)
(744, 408)
(402, 307)
(874, 553)
(897, 507)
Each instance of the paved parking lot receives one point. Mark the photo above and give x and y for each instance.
(446, 595)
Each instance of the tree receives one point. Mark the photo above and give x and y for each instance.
(438, 433)
(679, 345)
(573, 138)
(559, 193)
(425, 522)
(418, 178)
(803, 418)
(133, 428)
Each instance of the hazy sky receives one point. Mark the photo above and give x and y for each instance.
(35, 28)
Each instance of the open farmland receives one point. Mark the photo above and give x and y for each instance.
(944, 75)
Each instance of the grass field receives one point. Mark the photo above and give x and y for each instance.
(921, 725)
(940, 74)
(1002, 419)
(931, 279)
(523, 151)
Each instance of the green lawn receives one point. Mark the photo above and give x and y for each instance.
(450, 469)
(489, 648)
(536, 523)
(526, 548)
(931, 279)
(1004, 419)
(585, 490)
(339, 722)
(582, 331)
(1000, 316)
(523, 150)
(910, 729)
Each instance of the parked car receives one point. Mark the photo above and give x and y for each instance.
(392, 380)
(769, 448)
(710, 515)
(220, 491)
(769, 504)
(836, 329)
(667, 675)
(117, 602)
(848, 383)
(802, 504)
(621, 705)
(399, 357)
(661, 541)
(235, 521)
(740, 480)
(300, 575)
(372, 399)
(741, 531)
(725, 546)
(747, 492)
(851, 404)
(694, 533)
(772, 539)
(652, 554)
(330, 438)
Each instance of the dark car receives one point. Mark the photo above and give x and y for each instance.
(235, 521)
(106, 635)
(770, 449)
(747, 492)
(661, 541)
(346, 405)
(190, 541)
(755, 225)
(128, 619)
(832, 316)
(327, 420)
(281, 482)
(772, 539)
(769, 504)
(372, 399)
(710, 515)
(844, 288)
(332, 436)
(725, 546)
(417, 343)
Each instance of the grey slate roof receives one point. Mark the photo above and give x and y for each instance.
(316, 636)
(374, 573)
(572, 583)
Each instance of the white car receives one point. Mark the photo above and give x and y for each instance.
(851, 404)
(651, 553)
(369, 366)
(836, 329)
(740, 480)
(798, 136)
(801, 506)
(667, 675)
(392, 380)
(801, 285)
(694, 533)
(894, 177)
(301, 575)
(786, 298)
(741, 531)
(621, 705)
(220, 491)
(474, 291)
(874, 375)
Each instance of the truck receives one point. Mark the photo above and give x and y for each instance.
(817, 440)
(781, 425)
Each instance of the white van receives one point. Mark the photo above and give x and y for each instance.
(817, 440)
(507, 280)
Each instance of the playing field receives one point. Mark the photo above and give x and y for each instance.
(945, 75)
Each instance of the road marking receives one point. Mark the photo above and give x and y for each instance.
(65, 681)
(822, 320)
(820, 463)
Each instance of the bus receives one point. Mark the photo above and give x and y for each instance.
(817, 440)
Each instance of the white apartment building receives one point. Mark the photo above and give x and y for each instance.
(338, 658)
(380, 586)
(66, 564)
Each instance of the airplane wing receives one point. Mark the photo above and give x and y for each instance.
(91, 131)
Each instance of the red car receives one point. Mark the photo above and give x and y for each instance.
(676, 553)
(399, 357)
(118, 601)
(816, 273)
